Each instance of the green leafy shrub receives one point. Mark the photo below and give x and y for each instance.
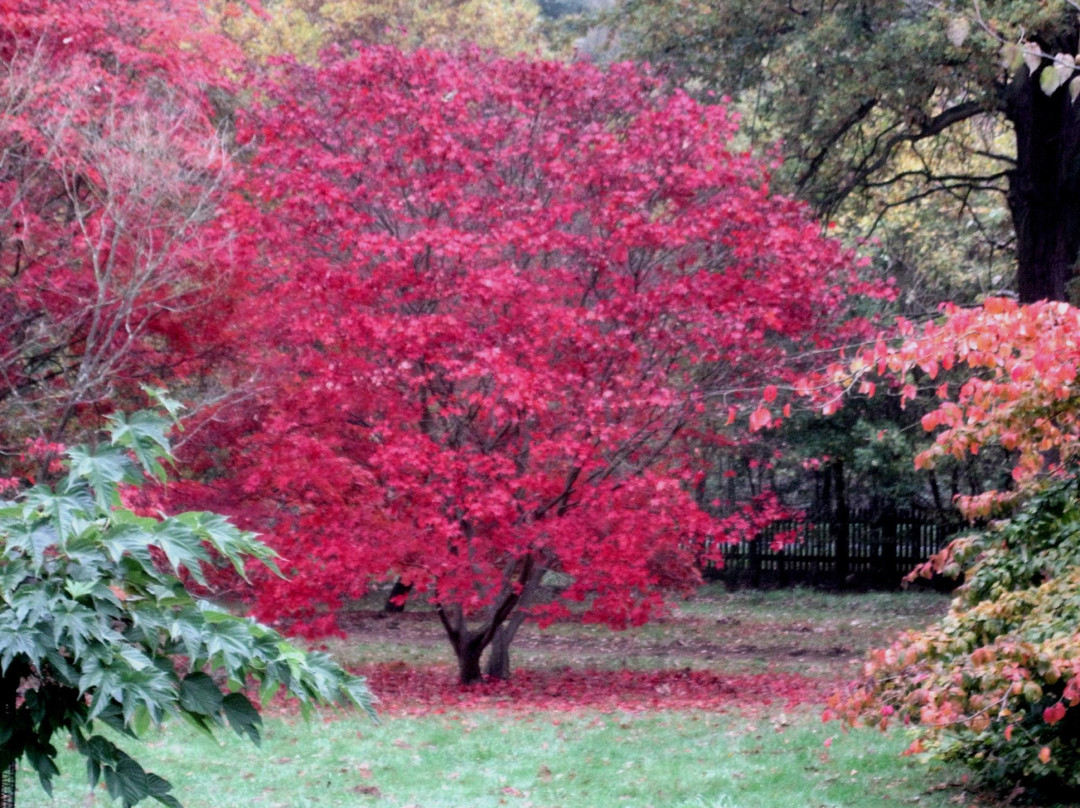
(97, 627)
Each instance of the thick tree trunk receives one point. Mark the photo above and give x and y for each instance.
(1044, 187)
(468, 651)
(469, 644)
(498, 664)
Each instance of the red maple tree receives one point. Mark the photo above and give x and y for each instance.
(112, 170)
(499, 305)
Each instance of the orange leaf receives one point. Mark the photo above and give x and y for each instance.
(760, 419)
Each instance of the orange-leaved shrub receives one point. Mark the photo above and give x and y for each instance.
(996, 683)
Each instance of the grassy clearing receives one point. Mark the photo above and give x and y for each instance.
(667, 760)
(802, 631)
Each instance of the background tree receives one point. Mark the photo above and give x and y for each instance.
(98, 629)
(522, 291)
(112, 171)
(878, 103)
(303, 28)
(863, 456)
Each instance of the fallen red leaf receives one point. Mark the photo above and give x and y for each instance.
(427, 690)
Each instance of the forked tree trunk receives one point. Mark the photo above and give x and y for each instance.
(503, 620)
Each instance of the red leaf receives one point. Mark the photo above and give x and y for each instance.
(1054, 713)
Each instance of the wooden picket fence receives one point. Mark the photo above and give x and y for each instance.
(867, 550)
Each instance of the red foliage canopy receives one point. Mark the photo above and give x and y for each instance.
(499, 302)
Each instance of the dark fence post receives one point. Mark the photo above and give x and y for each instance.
(781, 563)
(889, 538)
(842, 525)
(755, 561)
(841, 532)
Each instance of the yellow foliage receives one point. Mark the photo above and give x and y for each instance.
(303, 28)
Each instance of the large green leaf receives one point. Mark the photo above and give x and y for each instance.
(103, 469)
(41, 758)
(127, 781)
(159, 789)
(68, 512)
(358, 693)
(182, 547)
(161, 397)
(187, 628)
(17, 640)
(228, 540)
(32, 539)
(75, 626)
(130, 540)
(102, 750)
(229, 646)
(145, 433)
(199, 694)
(242, 716)
(13, 573)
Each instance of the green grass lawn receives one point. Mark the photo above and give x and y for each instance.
(665, 760)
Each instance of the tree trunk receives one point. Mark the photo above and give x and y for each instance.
(498, 663)
(395, 601)
(498, 666)
(468, 651)
(1044, 187)
(469, 644)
